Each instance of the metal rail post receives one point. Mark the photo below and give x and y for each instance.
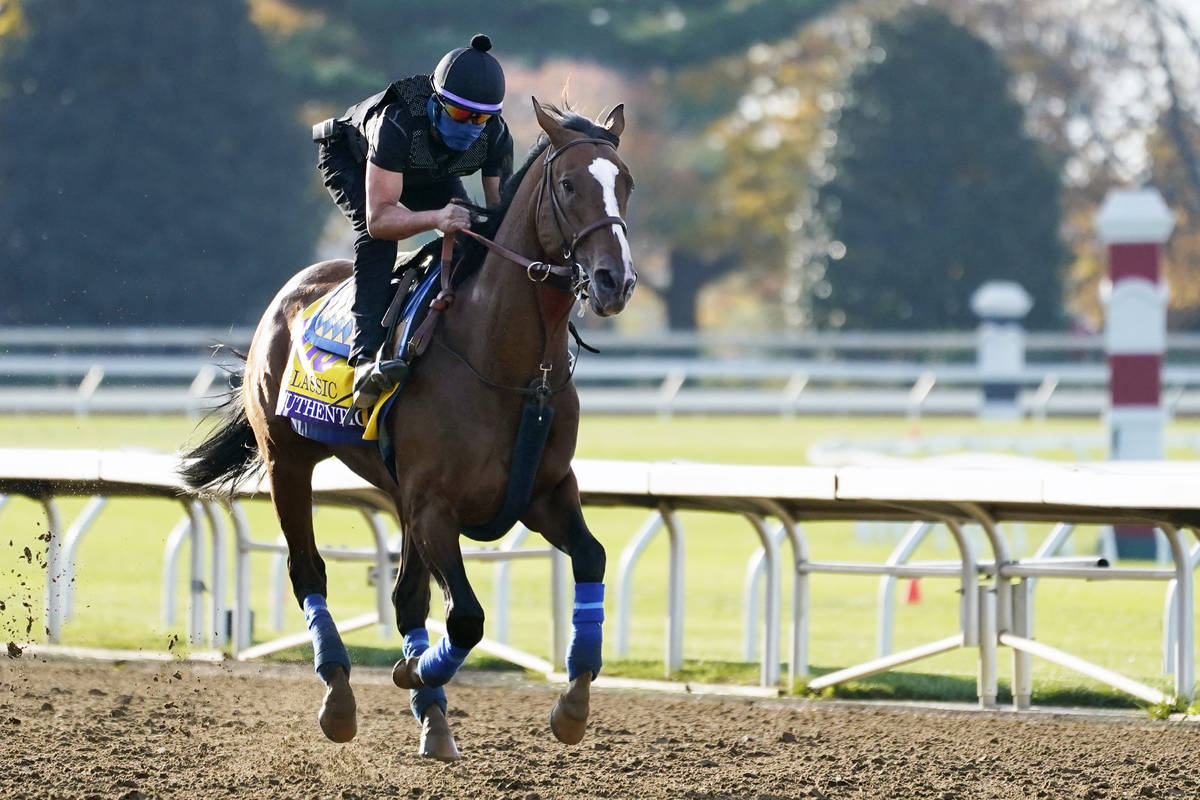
(886, 599)
(54, 570)
(770, 657)
(559, 619)
(383, 565)
(241, 578)
(751, 589)
(675, 592)
(79, 526)
(1185, 681)
(629, 556)
(500, 599)
(798, 655)
(175, 540)
(218, 634)
(1022, 625)
(196, 573)
(987, 685)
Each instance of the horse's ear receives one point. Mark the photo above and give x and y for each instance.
(615, 124)
(553, 128)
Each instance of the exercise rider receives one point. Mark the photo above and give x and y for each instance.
(394, 163)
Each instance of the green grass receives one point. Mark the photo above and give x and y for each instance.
(1117, 625)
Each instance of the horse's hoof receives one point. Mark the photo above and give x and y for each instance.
(338, 715)
(404, 674)
(568, 719)
(436, 739)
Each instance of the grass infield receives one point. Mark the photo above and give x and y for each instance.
(119, 575)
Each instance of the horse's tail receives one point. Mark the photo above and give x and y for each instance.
(229, 454)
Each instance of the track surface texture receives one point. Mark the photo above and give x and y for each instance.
(74, 729)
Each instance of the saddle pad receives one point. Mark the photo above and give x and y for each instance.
(319, 382)
(317, 390)
(331, 326)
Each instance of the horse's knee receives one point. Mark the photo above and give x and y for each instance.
(588, 560)
(307, 577)
(465, 629)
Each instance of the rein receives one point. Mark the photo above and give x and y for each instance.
(538, 272)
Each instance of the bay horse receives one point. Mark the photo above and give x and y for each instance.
(559, 235)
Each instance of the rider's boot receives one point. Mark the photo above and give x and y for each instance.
(374, 377)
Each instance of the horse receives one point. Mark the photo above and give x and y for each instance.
(500, 348)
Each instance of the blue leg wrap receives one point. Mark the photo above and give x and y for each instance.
(439, 663)
(583, 651)
(328, 650)
(416, 642)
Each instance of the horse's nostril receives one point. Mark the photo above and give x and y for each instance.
(604, 279)
(627, 289)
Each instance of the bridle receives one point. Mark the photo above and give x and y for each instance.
(539, 271)
(575, 280)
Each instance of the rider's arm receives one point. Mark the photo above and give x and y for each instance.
(491, 190)
(388, 220)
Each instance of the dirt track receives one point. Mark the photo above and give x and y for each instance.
(83, 730)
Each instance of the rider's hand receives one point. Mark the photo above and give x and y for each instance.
(453, 218)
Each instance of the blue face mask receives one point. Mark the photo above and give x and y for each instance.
(455, 135)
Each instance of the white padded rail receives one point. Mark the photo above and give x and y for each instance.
(916, 484)
(612, 477)
(50, 465)
(1126, 484)
(685, 479)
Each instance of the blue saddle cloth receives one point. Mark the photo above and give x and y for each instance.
(332, 327)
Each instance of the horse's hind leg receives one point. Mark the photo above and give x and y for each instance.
(291, 494)
(559, 518)
(410, 596)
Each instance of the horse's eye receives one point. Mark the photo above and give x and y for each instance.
(567, 186)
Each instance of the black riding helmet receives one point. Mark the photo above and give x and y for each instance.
(471, 77)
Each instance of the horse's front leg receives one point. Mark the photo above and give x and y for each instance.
(410, 596)
(559, 518)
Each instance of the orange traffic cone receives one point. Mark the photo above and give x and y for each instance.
(914, 592)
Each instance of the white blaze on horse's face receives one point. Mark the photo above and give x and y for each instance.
(606, 172)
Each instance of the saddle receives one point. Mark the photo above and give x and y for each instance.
(318, 384)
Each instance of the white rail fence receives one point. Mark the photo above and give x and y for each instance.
(101, 370)
(996, 600)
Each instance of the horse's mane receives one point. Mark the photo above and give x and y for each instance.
(493, 216)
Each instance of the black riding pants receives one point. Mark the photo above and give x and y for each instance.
(345, 177)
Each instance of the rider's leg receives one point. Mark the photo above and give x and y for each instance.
(345, 178)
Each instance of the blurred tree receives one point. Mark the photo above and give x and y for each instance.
(1182, 257)
(1111, 87)
(719, 188)
(936, 187)
(152, 170)
(734, 185)
(395, 37)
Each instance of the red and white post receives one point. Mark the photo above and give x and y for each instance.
(1134, 224)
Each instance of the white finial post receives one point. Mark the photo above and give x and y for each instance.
(1000, 346)
(1134, 224)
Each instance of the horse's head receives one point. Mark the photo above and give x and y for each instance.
(582, 206)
